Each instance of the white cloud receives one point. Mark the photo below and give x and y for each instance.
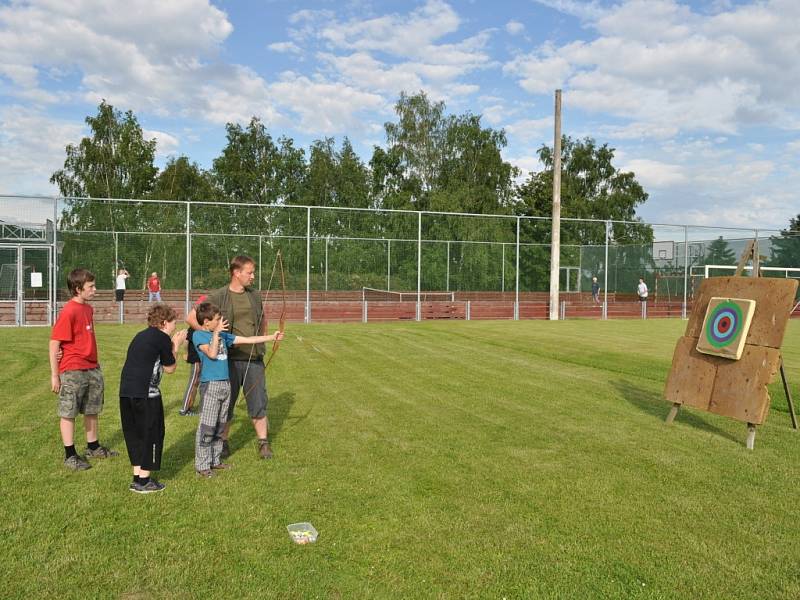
(166, 144)
(32, 147)
(284, 47)
(655, 174)
(667, 69)
(514, 27)
(527, 130)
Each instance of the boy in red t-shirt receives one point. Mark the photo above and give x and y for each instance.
(76, 377)
(153, 288)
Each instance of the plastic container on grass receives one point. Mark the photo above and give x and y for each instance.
(302, 533)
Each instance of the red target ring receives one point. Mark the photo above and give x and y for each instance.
(724, 324)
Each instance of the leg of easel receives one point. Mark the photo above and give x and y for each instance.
(751, 436)
(788, 396)
(673, 412)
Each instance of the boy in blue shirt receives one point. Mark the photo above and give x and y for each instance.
(212, 343)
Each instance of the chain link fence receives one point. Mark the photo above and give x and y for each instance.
(331, 255)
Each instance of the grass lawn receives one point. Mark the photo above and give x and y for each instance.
(437, 460)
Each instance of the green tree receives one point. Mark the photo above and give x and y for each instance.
(254, 169)
(592, 188)
(785, 249)
(184, 181)
(719, 252)
(436, 161)
(114, 162)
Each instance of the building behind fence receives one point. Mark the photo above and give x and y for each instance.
(356, 264)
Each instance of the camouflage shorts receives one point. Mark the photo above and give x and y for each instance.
(81, 393)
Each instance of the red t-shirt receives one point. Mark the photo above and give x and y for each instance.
(75, 330)
(153, 284)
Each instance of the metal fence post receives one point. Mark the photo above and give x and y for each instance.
(388, 265)
(187, 295)
(419, 265)
(447, 279)
(516, 272)
(605, 273)
(685, 270)
(54, 266)
(327, 239)
(308, 265)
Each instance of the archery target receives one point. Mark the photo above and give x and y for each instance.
(725, 327)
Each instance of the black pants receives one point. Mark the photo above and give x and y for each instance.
(119, 295)
(143, 427)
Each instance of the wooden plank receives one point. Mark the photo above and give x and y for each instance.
(691, 378)
(740, 387)
(774, 300)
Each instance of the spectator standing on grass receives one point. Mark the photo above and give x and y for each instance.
(141, 409)
(76, 377)
(195, 367)
(212, 343)
(241, 307)
(641, 289)
(119, 289)
(595, 291)
(153, 288)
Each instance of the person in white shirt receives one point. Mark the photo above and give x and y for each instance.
(119, 291)
(641, 289)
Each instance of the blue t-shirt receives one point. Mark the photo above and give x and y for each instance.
(213, 369)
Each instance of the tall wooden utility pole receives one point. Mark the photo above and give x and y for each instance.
(555, 236)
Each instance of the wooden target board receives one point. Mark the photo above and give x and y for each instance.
(714, 382)
(725, 327)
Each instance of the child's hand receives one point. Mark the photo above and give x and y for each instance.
(55, 383)
(222, 325)
(278, 336)
(179, 338)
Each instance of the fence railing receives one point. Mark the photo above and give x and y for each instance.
(338, 249)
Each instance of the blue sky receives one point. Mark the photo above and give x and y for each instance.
(699, 99)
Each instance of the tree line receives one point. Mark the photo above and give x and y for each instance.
(431, 161)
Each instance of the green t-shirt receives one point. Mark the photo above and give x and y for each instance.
(237, 308)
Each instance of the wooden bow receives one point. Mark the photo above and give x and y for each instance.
(282, 319)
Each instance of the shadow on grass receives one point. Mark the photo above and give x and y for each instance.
(644, 400)
(181, 451)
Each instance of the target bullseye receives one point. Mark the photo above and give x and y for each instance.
(725, 327)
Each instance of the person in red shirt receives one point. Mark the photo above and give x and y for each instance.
(153, 288)
(76, 375)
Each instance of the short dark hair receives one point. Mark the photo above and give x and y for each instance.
(160, 313)
(238, 262)
(206, 311)
(77, 278)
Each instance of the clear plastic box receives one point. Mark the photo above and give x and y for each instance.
(302, 533)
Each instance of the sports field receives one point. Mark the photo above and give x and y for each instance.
(437, 460)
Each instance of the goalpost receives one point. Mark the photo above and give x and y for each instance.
(788, 272)
(374, 294)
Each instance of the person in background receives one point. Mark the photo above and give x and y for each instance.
(119, 289)
(595, 291)
(76, 376)
(641, 289)
(153, 288)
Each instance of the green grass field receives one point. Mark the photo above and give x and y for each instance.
(437, 460)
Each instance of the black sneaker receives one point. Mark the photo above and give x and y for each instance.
(187, 413)
(148, 488)
(101, 452)
(226, 450)
(76, 463)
